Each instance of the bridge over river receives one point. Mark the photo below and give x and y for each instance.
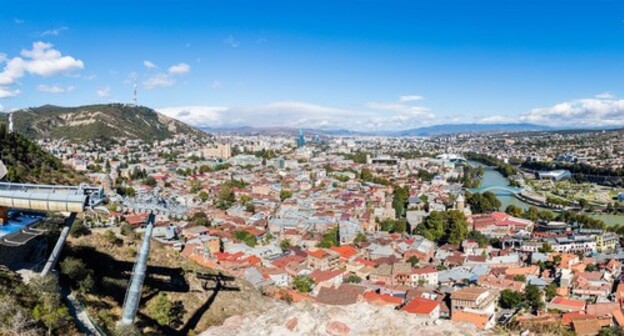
(497, 190)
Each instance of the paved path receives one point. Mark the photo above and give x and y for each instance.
(79, 314)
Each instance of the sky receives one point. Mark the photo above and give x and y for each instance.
(359, 65)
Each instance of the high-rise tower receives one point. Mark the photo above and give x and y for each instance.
(301, 139)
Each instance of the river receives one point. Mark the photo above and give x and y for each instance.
(493, 178)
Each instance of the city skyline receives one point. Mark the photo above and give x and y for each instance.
(359, 65)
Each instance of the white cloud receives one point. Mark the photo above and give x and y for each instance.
(159, 80)
(180, 68)
(405, 114)
(231, 41)
(605, 95)
(7, 93)
(103, 92)
(55, 89)
(283, 114)
(294, 114)
(149, 64)
(494, 119)
(41, 60)
(410, 98)
(3, 57)
(587, 112)
(54, 32)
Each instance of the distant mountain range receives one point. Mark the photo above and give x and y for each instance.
(421, 131)
(94, 122)
(472, 128)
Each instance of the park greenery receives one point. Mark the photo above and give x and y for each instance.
(483, 203)
(444, 227)
(505, 169)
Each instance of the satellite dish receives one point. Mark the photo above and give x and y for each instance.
(3, 170)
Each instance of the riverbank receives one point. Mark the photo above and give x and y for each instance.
(493, 178)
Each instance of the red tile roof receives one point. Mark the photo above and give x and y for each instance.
(373, 297)
(345, 251)
(320, 276)
(420, 306)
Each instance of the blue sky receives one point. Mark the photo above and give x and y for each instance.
(333, 64)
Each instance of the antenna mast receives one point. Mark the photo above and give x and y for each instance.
(134, 93)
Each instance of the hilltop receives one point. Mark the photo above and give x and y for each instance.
(98, 122)
(27, 162)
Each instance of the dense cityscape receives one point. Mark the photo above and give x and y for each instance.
(311, 168)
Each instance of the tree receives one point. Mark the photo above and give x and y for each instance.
(510, 299)
(400, 196)
(200, 218)
(75, 269)
(483, 203)
(127, 230)
(546, 248)
(330, 238)
(150, 181)
(413, 260)
(550, 291)
(49, 309)
(479, 237)
(285, 194)
(533, 297)
(519, 277)
(583, 203)
(352, 278)
(360, 238)
(590, 268)
(225, 197)
(303, 283)
(245, 199)
(285, 244)
(459, 228)
(79, 230)
(250, 207)
(111, 238)
(444, 226)
(366, 175)
(515, 211)
(203, 196)
(245, 237)
(160, 309)
(87, 285)
(614, 330)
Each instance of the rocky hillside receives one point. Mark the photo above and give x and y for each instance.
(201, 298)
(27, 162)
(307, 318)
(98, 122)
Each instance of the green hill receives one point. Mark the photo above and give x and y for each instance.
(98, 122)
(27, 162)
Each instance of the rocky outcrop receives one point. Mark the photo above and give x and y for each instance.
(306, 318)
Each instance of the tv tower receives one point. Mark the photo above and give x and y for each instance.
(134, 93)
